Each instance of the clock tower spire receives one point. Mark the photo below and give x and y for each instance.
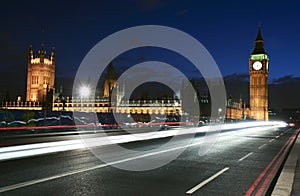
(259, 71)
(259, 44)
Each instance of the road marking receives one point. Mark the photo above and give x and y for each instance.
(191, 191)
(277, 136)
(244, 157)
(264, 173)
(32, 182)
(262, 146)
(271, 140)
(36, 181)
(287, 131)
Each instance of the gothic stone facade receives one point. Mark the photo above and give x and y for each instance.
(40, 75)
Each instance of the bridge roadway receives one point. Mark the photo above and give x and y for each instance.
(241, 162)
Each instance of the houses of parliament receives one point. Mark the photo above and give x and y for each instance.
(41, 89)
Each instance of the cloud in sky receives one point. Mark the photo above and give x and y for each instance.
(283, 79)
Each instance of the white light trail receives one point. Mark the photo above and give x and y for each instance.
(21, 151)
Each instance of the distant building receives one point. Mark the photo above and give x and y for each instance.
(110, 81)
(259, 70)
(40, 75)
(110, 102)
(40, 82)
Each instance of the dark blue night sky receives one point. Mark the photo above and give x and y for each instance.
(226, 28)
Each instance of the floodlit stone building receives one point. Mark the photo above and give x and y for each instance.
(40, 75)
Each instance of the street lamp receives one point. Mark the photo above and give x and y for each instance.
(219, 112)
(84, 92)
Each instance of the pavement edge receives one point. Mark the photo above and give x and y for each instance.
(286, 181)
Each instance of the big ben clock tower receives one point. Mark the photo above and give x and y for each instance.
(259, 70)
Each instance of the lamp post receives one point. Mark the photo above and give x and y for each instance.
(219, 112)
(45, 103)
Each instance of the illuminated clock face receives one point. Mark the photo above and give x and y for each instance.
(257, 65)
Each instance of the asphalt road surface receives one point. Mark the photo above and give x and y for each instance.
(239, 162)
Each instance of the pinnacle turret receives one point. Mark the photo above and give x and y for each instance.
(110, 75)
(30, 53)
(52, 58)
